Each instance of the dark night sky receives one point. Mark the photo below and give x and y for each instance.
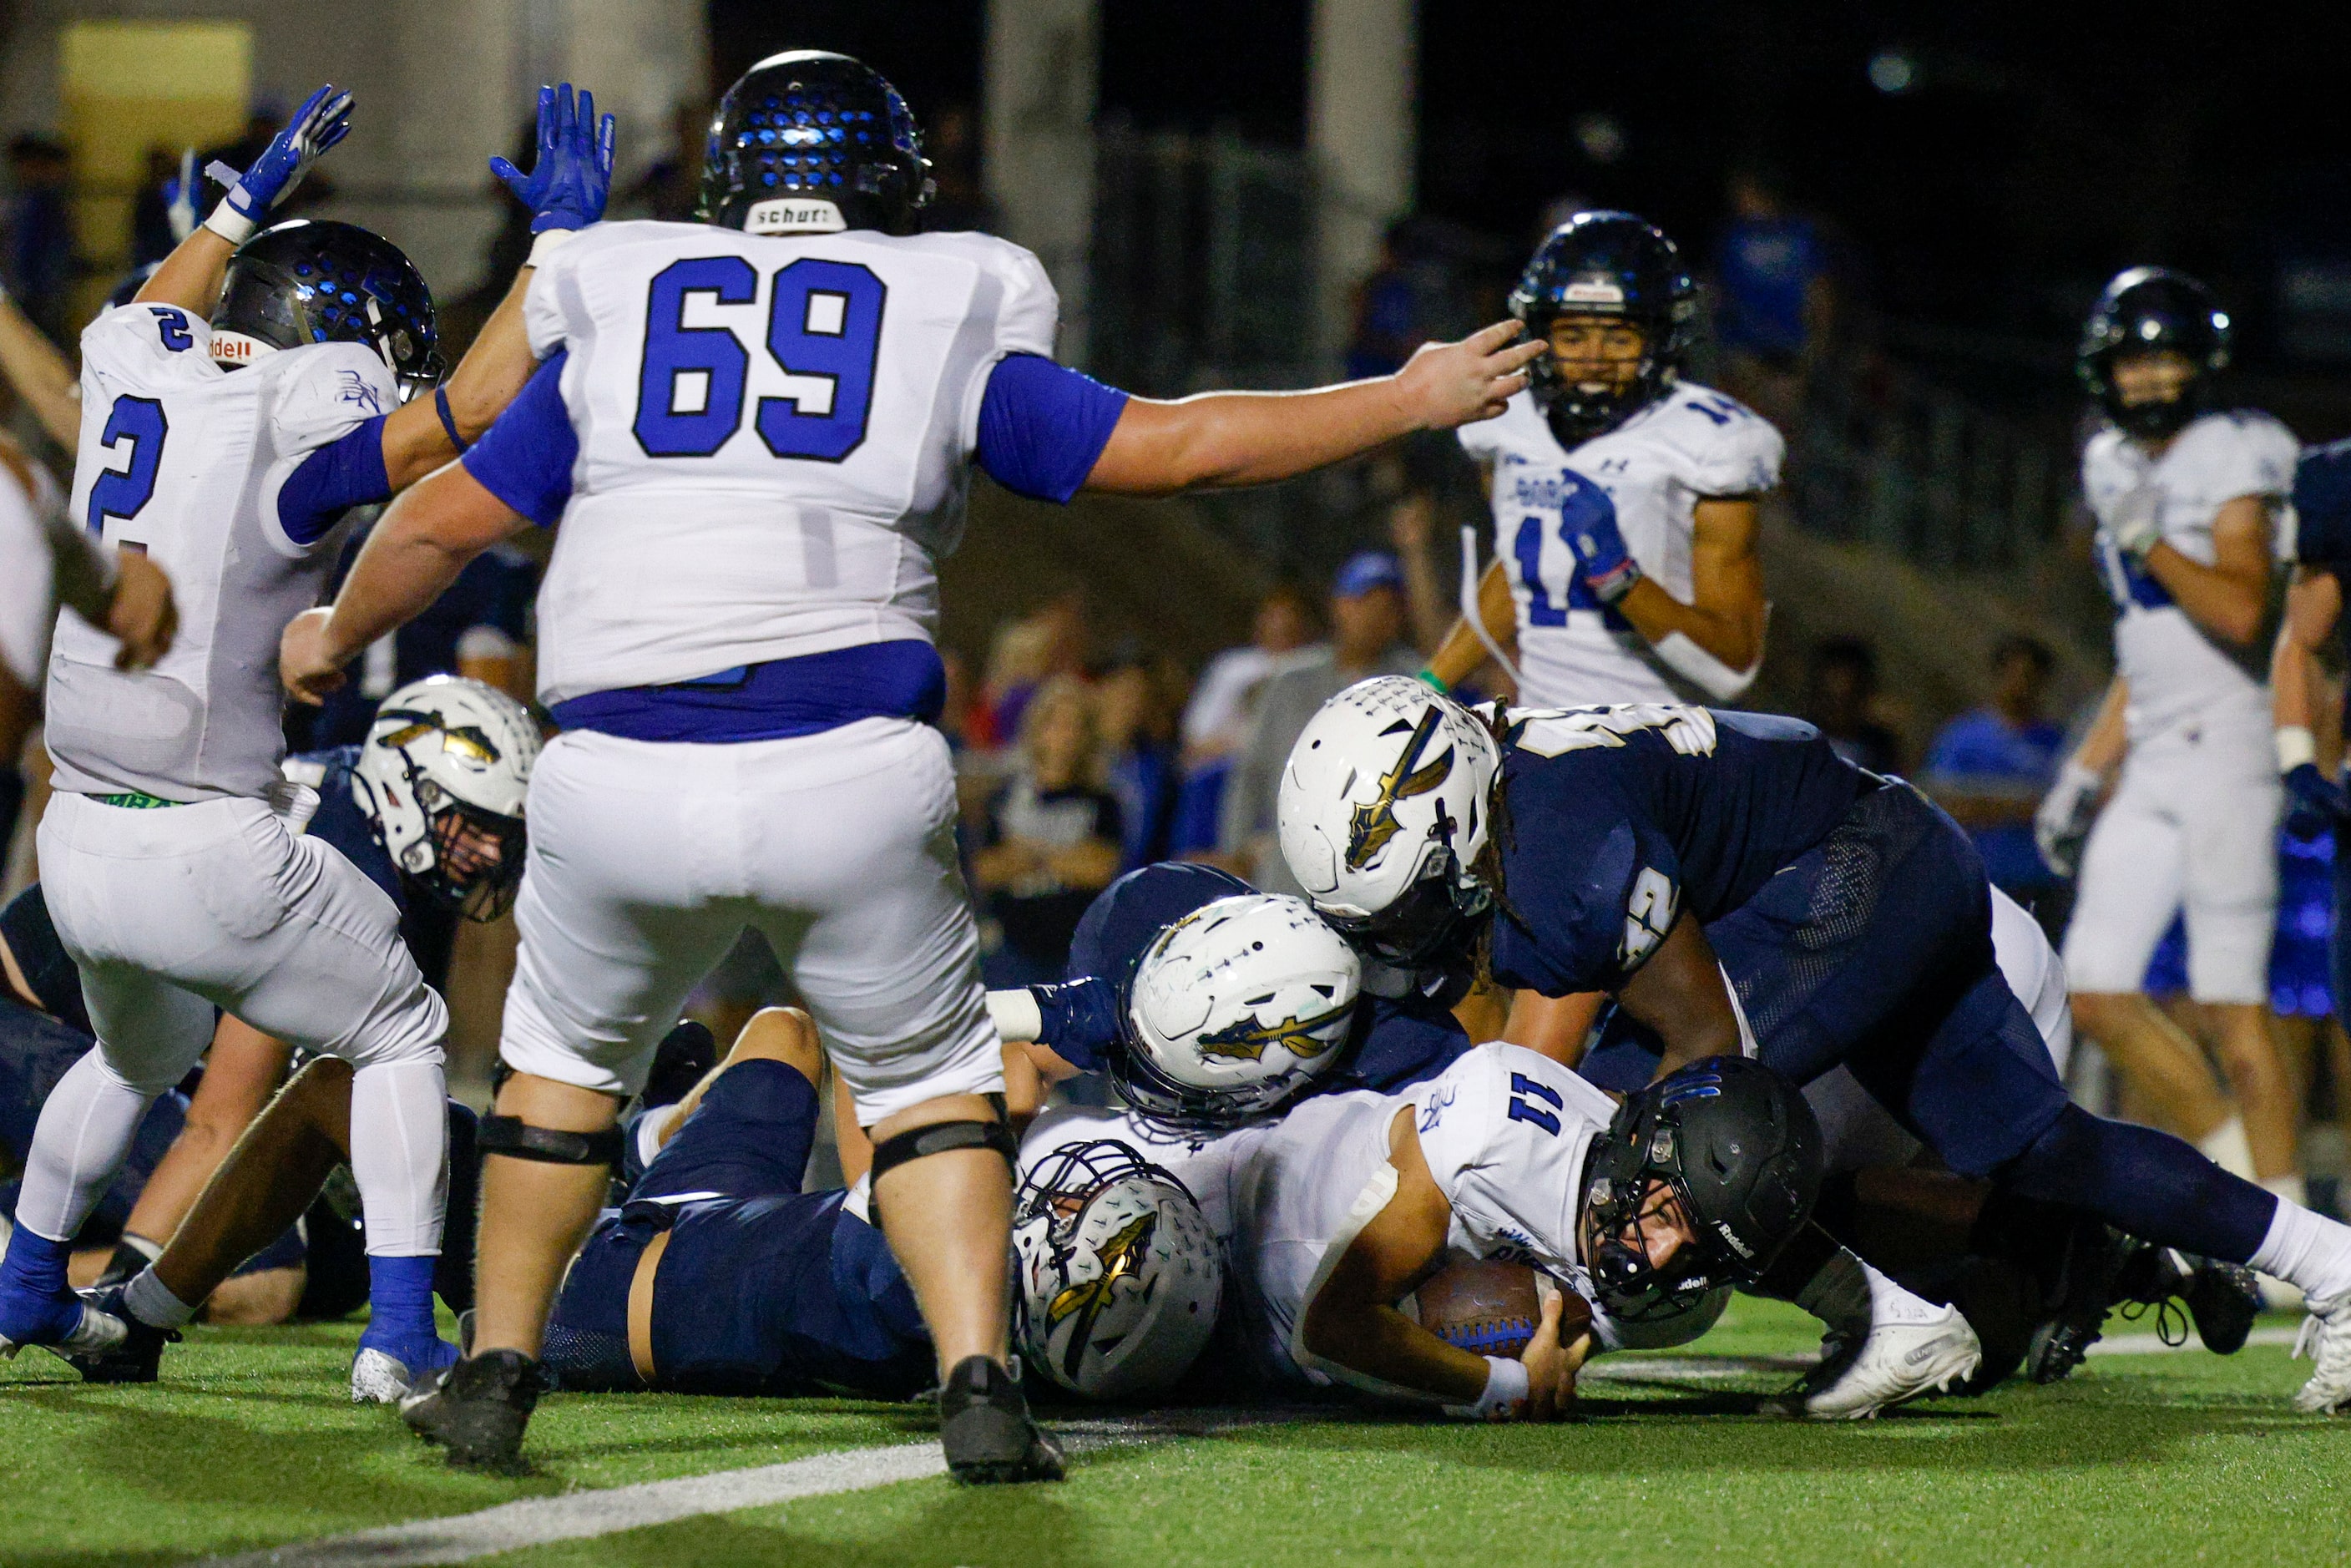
(2042, 147)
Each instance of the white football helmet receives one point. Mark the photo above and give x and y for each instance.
(444, 773)
(1235, 1009)
(1120, 1274)
(1383, 809)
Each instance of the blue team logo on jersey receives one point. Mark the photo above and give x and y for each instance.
(356, 392)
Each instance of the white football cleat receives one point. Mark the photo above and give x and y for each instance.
(2325, 1337)
(378, 1378)
(1909, 1348)
(93, 1333)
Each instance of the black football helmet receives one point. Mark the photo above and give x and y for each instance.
(2142, 310)
(1741, 1153)
(1606, 263)
(815, 125)
(310, 280)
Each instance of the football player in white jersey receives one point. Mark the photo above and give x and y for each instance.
(1624, 509)
(757, 431)
(250, 394)
(1624, 497)
(2185, 497)
(1651, 1210)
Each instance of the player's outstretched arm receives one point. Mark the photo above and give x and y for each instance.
(565, 190)
(191, 277)
(416, 551)
(1458, 657)
(1222, 439)
(1679, 994)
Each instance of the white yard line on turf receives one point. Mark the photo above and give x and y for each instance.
(579, 1516)
(1698, 1368)
(2149, 1345)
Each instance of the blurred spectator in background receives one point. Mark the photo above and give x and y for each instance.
(1050, 842)
(951, 141)
(1367, 628)
(671, 187)
(1840, 697)
(40, 268)
(1412, 527)
(1775, 303)
(1223, 708)
(1138, 748)
(1391, 306)
(1049, 644)
(1989, 768)
(152, 238)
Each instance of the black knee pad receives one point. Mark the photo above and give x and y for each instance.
(945, 1137)
(513, 1136)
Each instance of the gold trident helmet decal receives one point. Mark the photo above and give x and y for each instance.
(1247, 1041)
(466, 739)
(1122, 1258)
(1371, 826)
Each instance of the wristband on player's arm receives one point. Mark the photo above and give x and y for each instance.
(1507, 1386)
(2295, 746)
(1435, 681)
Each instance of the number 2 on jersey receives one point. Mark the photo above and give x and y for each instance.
(824, 332)
(122, 492)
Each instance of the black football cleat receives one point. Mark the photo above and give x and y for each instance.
(478, 1409)
(682, 1059)
(986, 1429)
(2224, 1299)
(136, 1359)
(2077, 1305)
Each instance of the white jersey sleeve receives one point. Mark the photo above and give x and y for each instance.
(1505, 1132)
(313, 399)
(1730, 449)
(1027, 318)
(146, 348)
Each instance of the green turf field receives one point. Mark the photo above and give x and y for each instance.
(2143, 1459)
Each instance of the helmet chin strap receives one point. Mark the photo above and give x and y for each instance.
(1470, 572)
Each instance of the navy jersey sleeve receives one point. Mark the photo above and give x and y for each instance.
(1406, 1042)
(1042, 425)
(2322, 507)
(525, 458)
(1589, 885)
(345, 473)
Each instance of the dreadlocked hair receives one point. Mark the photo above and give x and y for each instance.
(1501, 836)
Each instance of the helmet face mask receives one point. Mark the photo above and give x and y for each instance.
(1234, 1011)
(1726, 1155)
(1120, 1278)
(311, 281)
(1602, 266)
(2146, 312)
(443, 775)
(813, 141)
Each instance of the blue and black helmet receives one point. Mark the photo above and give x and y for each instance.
(812, 126)
(2145, 310)
(309, 280)
(1613, 264)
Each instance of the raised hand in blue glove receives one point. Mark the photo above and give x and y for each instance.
(2315, 801)
(572, 176)
(1588, 520)
(324, 118)
(1080, 1020)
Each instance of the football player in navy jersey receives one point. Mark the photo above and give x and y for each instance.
(1730, 880)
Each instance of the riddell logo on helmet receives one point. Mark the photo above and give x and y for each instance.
(1746, 1253)
(1593, 291)
(237, 349)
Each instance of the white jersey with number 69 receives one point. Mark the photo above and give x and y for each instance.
(775, 435)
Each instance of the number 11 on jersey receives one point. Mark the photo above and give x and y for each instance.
(824, 332)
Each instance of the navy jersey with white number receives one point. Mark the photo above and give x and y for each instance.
(1619, 818)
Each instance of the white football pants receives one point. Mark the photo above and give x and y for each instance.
(2192, 829)
(649, 858)
(172, 911)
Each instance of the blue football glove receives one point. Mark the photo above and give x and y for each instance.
(1588, 518)
(2315, 801)
(1080, 1020)
(324, 118)
(568, 185)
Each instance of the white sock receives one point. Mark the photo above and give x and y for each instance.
(151, 1302)
(81, 1141)
(2225, 1146)
(400, 1153)
(2307, 1250)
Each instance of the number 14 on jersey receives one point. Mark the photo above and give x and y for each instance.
(823, 332)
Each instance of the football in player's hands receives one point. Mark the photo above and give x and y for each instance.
(1491, 1309)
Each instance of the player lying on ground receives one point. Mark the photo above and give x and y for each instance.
(751, 513)
(253, 393)
(1728, 874)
